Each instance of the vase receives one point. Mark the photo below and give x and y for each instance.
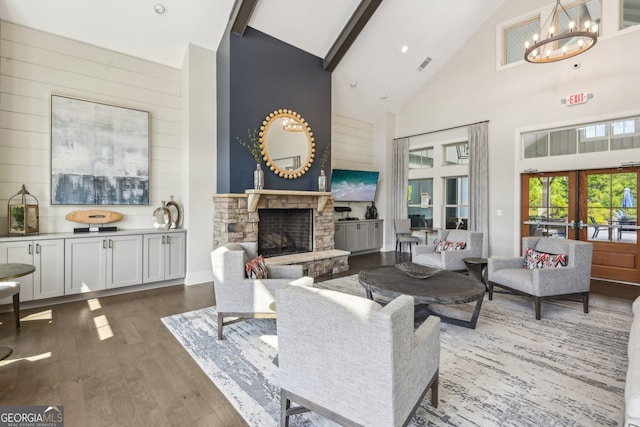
(258, 178)
(162, 218)
(322, 182)
(174, 209)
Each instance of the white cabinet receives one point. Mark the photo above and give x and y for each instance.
(358, 236)
(96, 263)
(164, 256)
(47, 256)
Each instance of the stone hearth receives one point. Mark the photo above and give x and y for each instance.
(236, 219)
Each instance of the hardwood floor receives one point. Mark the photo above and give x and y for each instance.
(111, 362)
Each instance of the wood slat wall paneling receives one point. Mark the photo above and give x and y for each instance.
(351, 143)
(35, 64)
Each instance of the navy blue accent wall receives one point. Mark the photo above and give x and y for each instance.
(223, 93)
(266, 74)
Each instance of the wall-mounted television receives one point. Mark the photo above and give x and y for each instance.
(353, 185)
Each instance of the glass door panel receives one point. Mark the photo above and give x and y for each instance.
(611, 209)
(548, 205)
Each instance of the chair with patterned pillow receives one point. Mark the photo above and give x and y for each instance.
(449, 250)
(240, 297)
(548, 267)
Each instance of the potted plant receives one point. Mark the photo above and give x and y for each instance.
(253, 145)
(324, 161)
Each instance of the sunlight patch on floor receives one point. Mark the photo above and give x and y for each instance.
(35, 358)
(103, 327)
(41, 315)
(94, 304)
(270, 340)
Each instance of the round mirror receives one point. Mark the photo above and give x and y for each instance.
(287, 143)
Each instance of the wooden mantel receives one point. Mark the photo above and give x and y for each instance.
(254, 197)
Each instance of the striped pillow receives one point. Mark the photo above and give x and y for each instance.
(534, 259)
(256, 268)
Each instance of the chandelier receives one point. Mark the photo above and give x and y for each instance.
(291, 125)
(576, 40)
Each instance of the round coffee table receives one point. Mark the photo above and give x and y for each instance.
(8, 272)
(445, 287)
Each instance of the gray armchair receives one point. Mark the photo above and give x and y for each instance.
(352, 360)
(449, 260)
(574, 279)
(242, 298)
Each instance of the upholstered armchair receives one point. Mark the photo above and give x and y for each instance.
(452, 260)
(352, 360)
(539, 283)
(242, 298)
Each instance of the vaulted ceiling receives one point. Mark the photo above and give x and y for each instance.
(373, 77)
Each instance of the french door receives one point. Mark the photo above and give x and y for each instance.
(597, 206)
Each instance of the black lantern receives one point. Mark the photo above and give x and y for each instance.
(24, 217)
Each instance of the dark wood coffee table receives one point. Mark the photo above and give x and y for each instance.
(446, 287)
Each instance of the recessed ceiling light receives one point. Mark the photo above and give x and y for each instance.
(354, 84)
(404, 49)
(160, 9)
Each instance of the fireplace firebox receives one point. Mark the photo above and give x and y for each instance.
(285, 231)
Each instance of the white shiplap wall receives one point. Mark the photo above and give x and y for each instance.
(35, 64)
(351, 144)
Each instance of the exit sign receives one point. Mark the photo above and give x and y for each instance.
(577, 98)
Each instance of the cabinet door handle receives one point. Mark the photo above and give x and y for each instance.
(110, 244)
(30, 249)
(168, 240)
(37, 248)
(163, 240)
(104, 244)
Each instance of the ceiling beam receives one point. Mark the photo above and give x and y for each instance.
(349, 33)
(242, 10)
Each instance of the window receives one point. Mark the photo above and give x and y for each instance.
(515, 37)
(587, 11)
(630, 13)
(625, 135)
(419, 196)
(618, 134)
(456, 202)
(456, 154)
(421, 159)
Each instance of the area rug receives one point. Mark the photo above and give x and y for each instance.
(567, 369)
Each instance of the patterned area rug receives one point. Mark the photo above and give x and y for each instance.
(567, 369)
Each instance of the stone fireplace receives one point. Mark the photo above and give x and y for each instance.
(284, 231)
(241, 218)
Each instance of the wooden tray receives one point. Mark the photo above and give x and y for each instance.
(93, 216)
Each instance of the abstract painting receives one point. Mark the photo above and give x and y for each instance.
(99, 153)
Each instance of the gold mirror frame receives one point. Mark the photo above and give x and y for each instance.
(264, 131)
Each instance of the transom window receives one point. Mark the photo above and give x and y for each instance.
(514, 36)
(421, 159)
(456, 154)
(630, 13)
(618, 134)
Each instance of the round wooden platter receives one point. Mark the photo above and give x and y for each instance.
(93, 216)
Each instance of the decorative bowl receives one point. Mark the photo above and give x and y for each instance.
(417, 271)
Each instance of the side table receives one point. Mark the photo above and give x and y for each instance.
(477, 268)
(7, 272)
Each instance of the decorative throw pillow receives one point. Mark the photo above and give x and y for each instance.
(256, 268)
(534, 259)
(445, 245)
